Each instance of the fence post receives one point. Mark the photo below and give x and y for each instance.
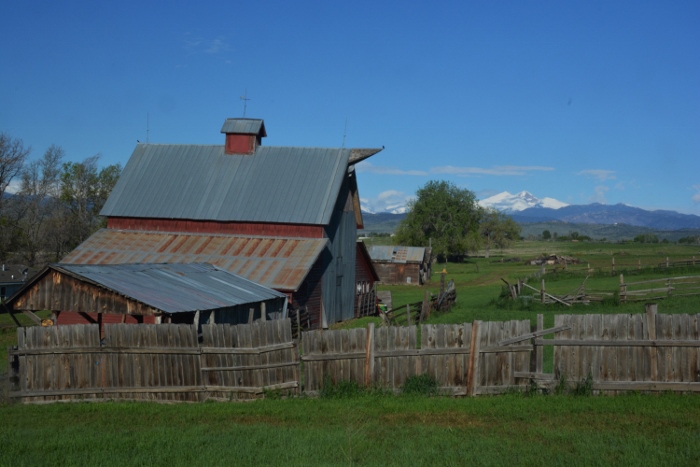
(639, 264)
(542, 292)
(623, 289)
(588, 268)
(693, 260)
(650, 309)
(425, 311)
(667, 262)
(263, 313)
(369, 355)
(539, 350)
(613, 265)
(475, 346)
(408, 315)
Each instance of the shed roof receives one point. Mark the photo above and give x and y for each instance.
(200, 182)
(246, 126)
(173, 288)
(275, 262)
(397, 254)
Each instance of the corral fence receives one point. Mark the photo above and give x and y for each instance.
(631, 267)
(645, 352)
(647, 290)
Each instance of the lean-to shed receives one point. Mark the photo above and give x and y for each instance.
(401, 264)
(146, 293)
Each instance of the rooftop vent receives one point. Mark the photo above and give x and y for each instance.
(243, 135)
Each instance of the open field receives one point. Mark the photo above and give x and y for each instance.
(363, 430)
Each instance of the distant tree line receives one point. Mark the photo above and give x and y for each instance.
(53, 205)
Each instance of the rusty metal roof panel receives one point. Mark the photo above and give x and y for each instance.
(275, 262)
(174, 288)
(397, 254)
(294, 185)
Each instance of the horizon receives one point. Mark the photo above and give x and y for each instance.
(577, 101)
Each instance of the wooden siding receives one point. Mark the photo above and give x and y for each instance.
(310, 295)
(398, 273)
(73, 317)
(214, 227)
(60, 292)
(339, 275)
(240, 144)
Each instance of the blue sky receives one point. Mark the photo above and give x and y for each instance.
(580, 101)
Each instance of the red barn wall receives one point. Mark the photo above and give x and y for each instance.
(214, 227)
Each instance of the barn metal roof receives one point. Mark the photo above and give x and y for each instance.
(173, 288)
(278, 263)
(246, 126)
(201, 182)
(397, 254)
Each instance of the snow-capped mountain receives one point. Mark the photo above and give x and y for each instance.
(507, 202)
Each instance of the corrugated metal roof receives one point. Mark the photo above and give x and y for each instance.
(397, 254)
(246, 126)
(278, 263)
(174, 288)
(276, 184)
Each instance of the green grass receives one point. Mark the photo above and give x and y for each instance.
(371, 430)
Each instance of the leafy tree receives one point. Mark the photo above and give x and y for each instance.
(497, 230)
(546, 235)
(443, 215)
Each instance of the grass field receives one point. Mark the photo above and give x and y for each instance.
(381, 429)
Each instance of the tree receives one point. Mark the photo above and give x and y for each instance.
(12, 156)
(84, 191)
(546, 235)
(497, 230)
(444, 216)
(41, 208)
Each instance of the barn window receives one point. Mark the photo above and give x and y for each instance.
(359, 288)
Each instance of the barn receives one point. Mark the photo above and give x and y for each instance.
(283, 217)
(401, 264)
(146, 293)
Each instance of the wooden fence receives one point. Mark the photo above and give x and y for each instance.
(387, 356)
(645, 352)
(154, 362)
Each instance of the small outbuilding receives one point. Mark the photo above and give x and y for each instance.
(401, 264)
(146, 293)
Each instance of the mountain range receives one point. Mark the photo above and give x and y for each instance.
(524, 207)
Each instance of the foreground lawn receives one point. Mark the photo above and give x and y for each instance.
(380, 430)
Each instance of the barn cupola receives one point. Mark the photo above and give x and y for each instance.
(243, 135)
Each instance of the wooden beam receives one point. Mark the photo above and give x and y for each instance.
(32, 316)
(530, 335)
